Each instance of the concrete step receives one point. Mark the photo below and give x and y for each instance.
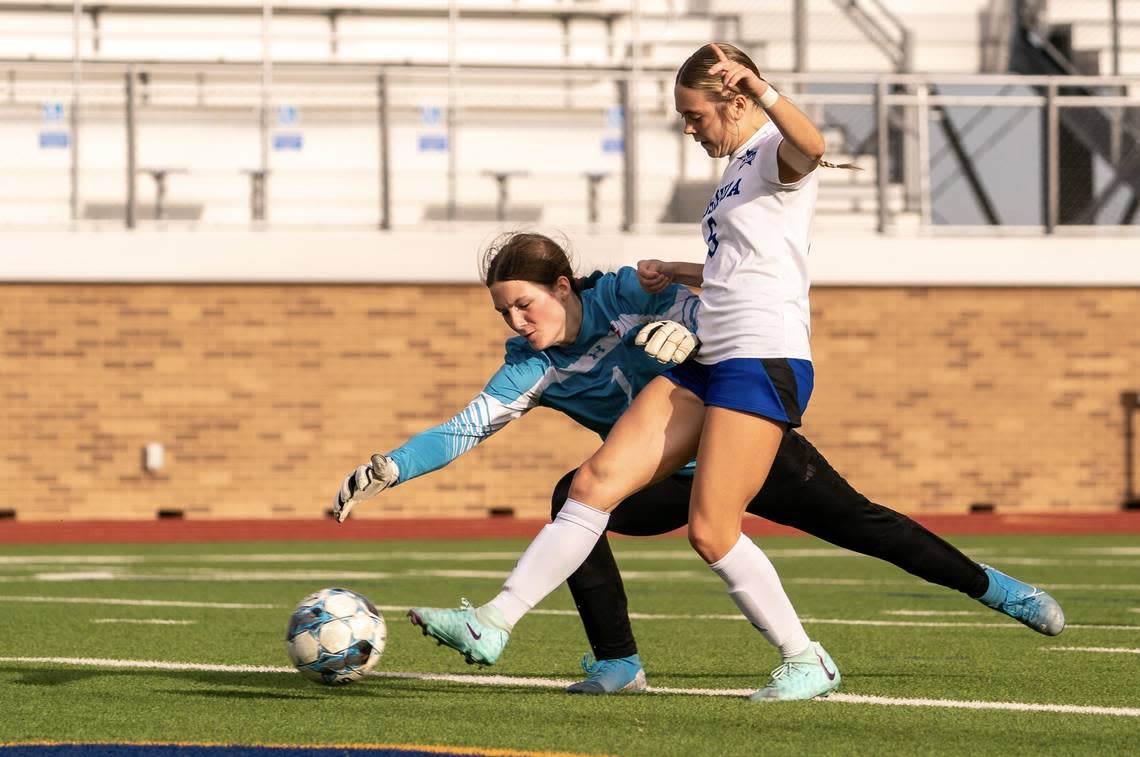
(1063, 10)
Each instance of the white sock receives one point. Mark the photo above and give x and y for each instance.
(558, 550)
(755, 588)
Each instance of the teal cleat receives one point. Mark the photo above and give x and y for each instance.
(480, 640)
(809, 675)
(1022, 602)
(610, 676)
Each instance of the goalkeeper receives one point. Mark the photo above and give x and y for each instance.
(585, 347)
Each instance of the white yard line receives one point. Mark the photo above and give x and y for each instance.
(1004, 624)
(1104, 650)
(145, 621)
(1065, 561)
(140, 602)
(113, 574)
(70, 559)
(382, 555)
(1071, 709)
(333, 576)
(930, 613)
(511, 556)
(1091, 587)
(934, 624)
(996, 557)
(621, 549)
(1118, 551)
(87, 575)
(550, 683)
(204, 574)
(99, 662)
(400, 609)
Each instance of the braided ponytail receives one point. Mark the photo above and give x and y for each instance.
(848, 166)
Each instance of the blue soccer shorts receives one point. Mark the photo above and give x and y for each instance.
(774, 388)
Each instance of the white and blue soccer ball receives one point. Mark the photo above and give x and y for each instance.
(335, 636)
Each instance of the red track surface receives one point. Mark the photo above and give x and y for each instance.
(76, 532)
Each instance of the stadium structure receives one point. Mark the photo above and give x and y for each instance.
(236, 232)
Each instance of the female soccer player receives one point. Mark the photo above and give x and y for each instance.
(589, 325)
(731, 406)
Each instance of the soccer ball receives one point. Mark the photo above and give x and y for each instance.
(335, 636)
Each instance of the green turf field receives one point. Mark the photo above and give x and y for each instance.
(892, 636)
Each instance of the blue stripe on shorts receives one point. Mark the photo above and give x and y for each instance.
(773, 388)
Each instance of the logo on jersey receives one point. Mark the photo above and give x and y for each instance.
(747, 159)
(728, 190)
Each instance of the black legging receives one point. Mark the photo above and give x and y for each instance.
(802, 491)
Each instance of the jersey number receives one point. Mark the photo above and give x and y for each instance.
(711, 238)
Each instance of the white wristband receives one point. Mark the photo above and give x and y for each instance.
(769, 98)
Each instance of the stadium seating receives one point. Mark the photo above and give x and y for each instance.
(532, 31)
(198, 117)
(1091, 22)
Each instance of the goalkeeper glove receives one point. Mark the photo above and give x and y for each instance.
(667, 341)
(365, 482)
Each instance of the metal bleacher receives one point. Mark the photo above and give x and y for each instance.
(532, 31)
(515, 72)
(1048, 40)
(1092, 32)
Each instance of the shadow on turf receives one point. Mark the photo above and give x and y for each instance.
(255, 686)
(237, 684)
(251, 686)
(739, 680)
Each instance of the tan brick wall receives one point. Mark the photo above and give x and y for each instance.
(932, 399)
(265, 396)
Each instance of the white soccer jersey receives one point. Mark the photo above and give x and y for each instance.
(754, 301)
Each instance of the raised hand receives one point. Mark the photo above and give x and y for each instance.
(736, 78)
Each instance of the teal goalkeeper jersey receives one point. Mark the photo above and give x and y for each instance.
(593, 380)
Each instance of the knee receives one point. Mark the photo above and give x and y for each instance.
(710, 542)
(587, 479)
(560, 493)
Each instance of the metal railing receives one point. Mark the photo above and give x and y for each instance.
(347, 145)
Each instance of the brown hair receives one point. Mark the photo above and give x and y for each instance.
(522, 256)
(694, 74)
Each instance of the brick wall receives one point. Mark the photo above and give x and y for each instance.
(265, 396)
(932, 399)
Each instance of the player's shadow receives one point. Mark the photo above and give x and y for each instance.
(232, 685)
(219, 684)
(888, 674)
(933, 596)
(55, 677)
(228, 693)
(745, 679)
(451, 688)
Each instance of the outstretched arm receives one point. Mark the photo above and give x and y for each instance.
(655, 275)
(436, 447)
(511, 392)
